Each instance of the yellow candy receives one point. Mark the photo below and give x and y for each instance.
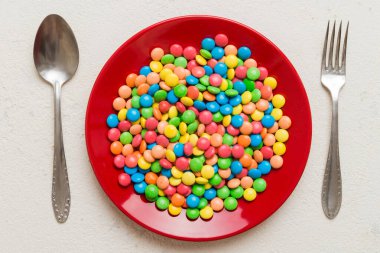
(206, 135)
(136, 122)
(249, 194)
(188, 178)
(246, 97)
(276, 113)
(279, 148)
(143, 164)
(174, 210)
(187, 101)
(270, 81)
(237, 109)
(165, 117)
(142, 122)
(230, 74)
(281, 135)
(257, 115)
(197, 151)
(184, 138)
(200, 60)
(193, 139)
(171, 80)
(170, 155)
(224, 85)
(206, 213)
(231, 61)
(182, 128)
(174, 181)
(155, 105)
(207, 171)
(161, 193)
(122, 115)
(278, 101)
(176, 173)
(200, 96)
(164, 73)
(201, 180)
(226, 120)
(156, 66)
(170, 131)
(173, 112)
(207, 186)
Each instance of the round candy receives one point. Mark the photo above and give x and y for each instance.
(230, 203)
(192, 201)
(162, 203)
(249, 194)
(192, 213)
(259, 185)
(124, 179)
(221, 40)
(206, 213)
(208, 43)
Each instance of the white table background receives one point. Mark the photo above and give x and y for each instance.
(27, 223)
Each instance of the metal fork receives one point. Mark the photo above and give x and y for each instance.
(333, 78)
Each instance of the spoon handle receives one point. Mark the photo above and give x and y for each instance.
(60, 188)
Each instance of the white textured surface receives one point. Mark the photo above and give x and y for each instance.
(95, 225)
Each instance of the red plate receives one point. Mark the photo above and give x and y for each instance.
(190, 30)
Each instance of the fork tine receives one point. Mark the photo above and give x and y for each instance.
(331, 47)
(337, 50)
(325, 47)
(343, 67)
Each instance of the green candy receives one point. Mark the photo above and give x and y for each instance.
(191, 128)
(175, 121)
(160, 95)
(237, 193)
(180, 90)
(231, 93)
(135, 102)
(202, 203)
(198, 190)
(213, 90)
(253, 73)
(175, 138)
(230, 84)
(192, 213)
(143, 132)
(256, 95)
(228, 139)
(204, 80)
(196, 164)
(224, 163)
(167, 58)
(126, 138)
(206, 54)
(200, 87)
(151, 192)
(215, 180)
(188, 116)
(223, 192)
(162, 203)
(156, 167)
(180, 62)
(249, 84)
(249, 151)
(240, 62)
(217, 117)
(134, 92)
(147, 112)
(258, 147)
(230, 203)
(259, 184)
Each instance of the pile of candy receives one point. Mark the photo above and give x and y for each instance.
(198, 130)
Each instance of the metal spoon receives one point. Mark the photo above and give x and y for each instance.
(56, 57)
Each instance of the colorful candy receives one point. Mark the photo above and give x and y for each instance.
(198, 129)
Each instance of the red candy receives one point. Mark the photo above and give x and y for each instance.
(258, 85)
(241, 72)
(124, 179)
(162, 141)
(150, 137)
(136, 140)
(192, 92)
(203, 143)
(266, 92)
(267, 152)
(176, 50)
(183, 189)
(263, 73)
(131, 161)
(113, 134)
(165, 164)
(221, 40)
(212, 62)
(180, 107)
(198, 71)
(205, 117)
(224, 151)
(151, 123)
(242, 174)
(237, 151)
(124, 126)
(170, 191)
(189, 53)
(210, 152)
(191, 64)
(118, 161)
(182, 163)
(188, 149)
(212, 128)
(256, 127)
(232, 130)
(164, 106)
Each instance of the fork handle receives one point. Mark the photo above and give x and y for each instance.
(60, 187)
(332, 181)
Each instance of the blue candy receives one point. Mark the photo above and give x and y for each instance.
(267, 121)
(112, 120)
(237, 121)
(235, 100)
(130, 171)
(208, 44)
(171, 97)
(244, 53)
(140, 187)
(217, 53)
(137, 177)
(133, 114)
(236, 167)
(167, 173)
(240, 87)
(226, 109)
(213, 106)
(269, 110)
(192, 80)
(209, 194)
(143, 171)
(221, 69)
(150, 146)
(192, 201)
(201, 106)
(221, 98)
(146, 100)
(254, 173)
(230, 177)
(153, 89)
(178, 149)
(208, 70)
(256, 139)
(145, 70)
(264, 167)
(216, 168)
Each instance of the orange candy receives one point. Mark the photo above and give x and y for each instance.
(118, 103)
(246, 128)
(157, 114)
(246, 182)
(262, 105)
(180, 72)
(116, 147)
(273, 129)
(230, 49)
(224, 173)
(276, 161)
(244, 140)
(135, 129)
(130, 81)
(246, 160)
(151, 178)
(258, 156)
(208, 96)
(216, 140)
(125, 91)
(269, 140)
(249, 108)
(142, 89)
(127, 149)
(192, 92)
(217, 204)
(148, 156)
(178, 199)
(233, 183)
(162, 182)
(153, 78)
(142, 147)
(157, 53)
(250, 63)
(140, 79)
(158, 152)
(284, 122)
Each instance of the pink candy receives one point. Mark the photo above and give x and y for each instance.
(119, 161)
(221, 40)
(182, 163)
(237, 151)
(215, 80)
(150, 136)
(256, 127)
(176, 50)
(241, 72)
(124, 179)
(205, 117)
(151, 124)
(224, 151)
(189, 53)
(113, 134)
(203, 143)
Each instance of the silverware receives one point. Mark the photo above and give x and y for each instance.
(333, 78)
(56, 57)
